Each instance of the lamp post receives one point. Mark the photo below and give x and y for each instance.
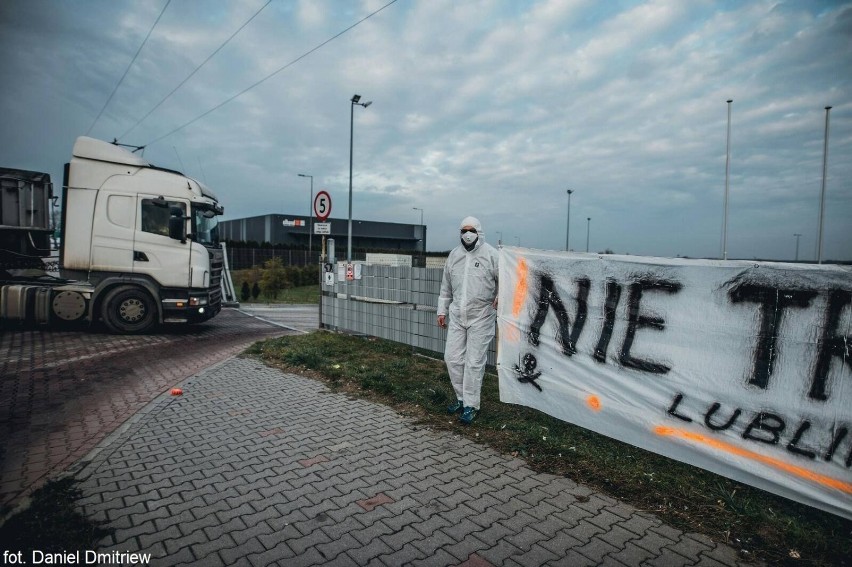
(822, 192)
(568, 222)
(423, 234)
(588, 229)
(727, 176)
(353, 101)
(797, 235)
(499, 238)
(310, 216)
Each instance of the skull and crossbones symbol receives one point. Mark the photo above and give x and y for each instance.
(527, 374)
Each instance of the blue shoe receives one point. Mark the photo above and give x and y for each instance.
(468, 415)
(456, 407)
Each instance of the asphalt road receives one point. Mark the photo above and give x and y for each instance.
(302, 318)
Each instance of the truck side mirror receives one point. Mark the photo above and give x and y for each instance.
(177, 226)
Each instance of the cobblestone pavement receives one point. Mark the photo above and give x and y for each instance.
(62, 392)
(255, 467)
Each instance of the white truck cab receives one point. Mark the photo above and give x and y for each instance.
(139, 244)
(145, 237)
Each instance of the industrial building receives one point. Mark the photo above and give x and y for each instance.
(294, 230)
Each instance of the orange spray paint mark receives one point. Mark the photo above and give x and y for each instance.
(745, 453)
(594, 403)
(521, 289)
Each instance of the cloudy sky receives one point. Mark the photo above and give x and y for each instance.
(493, 108)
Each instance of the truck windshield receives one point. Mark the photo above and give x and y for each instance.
(205, 224)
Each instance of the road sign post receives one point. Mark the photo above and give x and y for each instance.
(322, 209)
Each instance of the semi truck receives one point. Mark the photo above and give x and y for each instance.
(138, 244)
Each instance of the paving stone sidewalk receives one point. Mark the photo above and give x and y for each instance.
(252, 466)
(63, 392)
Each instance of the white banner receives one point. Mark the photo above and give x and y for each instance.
(740, 368)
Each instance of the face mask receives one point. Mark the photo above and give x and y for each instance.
(468, 239)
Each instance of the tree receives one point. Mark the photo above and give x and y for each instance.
(245, 291)
(255, 291)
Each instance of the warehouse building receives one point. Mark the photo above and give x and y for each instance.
(294, 230)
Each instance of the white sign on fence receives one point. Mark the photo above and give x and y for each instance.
(348, 271)
(740, 368)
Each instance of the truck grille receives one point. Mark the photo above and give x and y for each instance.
(216, 265)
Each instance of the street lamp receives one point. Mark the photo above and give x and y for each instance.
(355, 100)
(500, 238)
(422, 228)
(797, 245)
(588, 228)
(822, 192)
(310, 216)
(727, 176)
(568, 222)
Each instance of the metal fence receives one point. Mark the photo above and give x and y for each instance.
(390, 302)
(245, 258)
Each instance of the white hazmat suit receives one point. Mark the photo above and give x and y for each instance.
(468, 291)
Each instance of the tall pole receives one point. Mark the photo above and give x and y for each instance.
(588, 229)
(568, 222)
(797, 245)
(310, 217)
(351, 137)
(727, 185)
(822, 192)
(499, 238)
(353, 101)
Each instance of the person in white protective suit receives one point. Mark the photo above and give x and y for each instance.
(469, 297)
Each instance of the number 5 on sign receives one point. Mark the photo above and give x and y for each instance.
(322, 205)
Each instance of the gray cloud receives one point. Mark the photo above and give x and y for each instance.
(492, 108)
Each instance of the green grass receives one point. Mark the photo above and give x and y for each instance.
(768, 527)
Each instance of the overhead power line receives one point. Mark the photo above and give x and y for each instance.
(266, 78)
(138, 122)
(128, 67)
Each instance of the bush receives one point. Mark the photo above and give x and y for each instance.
(310, 274)
(274, 277)
(292, 276)
(245, 291)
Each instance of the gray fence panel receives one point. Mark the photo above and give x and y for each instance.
(390, 302)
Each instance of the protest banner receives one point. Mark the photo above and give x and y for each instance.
(741, 368)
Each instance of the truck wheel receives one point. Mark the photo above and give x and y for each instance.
(129, 309)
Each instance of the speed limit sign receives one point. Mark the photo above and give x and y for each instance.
(322, 205)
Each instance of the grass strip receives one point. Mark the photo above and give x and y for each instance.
(761, 525)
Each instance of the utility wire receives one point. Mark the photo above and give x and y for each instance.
(128, 67)
(291, 63)
(138, 122)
